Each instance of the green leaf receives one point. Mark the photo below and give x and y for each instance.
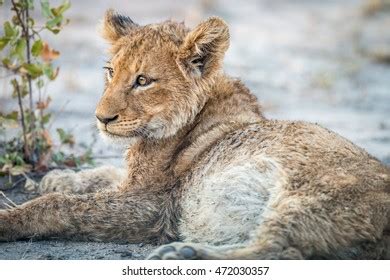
(34, 70)
(6, 61)
(9, 31)
(46, 9)
(3, 160)
(58, 157)
(12, 116)
(10, 120)
(46, 118)
(3, 42)
(48, 71)
(19, 48)
(65, 138)
(61, 9)
(19, 160)
(31, 22)
(18, 170)
(54, 22)
(64, 6)
(54, 30)
(61, 134)
(30, 4)
(37, 48)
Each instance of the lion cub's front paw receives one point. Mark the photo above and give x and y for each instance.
(58, 181)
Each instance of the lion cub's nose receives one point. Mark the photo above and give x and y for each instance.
(105, 119)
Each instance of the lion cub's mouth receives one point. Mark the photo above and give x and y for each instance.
(115, 135)
(119, 129)
(125, 135)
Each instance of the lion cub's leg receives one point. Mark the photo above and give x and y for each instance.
(297, 228)
(305, 227)
(85, 181)
(102, 216)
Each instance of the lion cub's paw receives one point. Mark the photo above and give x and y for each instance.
(58, 181)
(183, 251)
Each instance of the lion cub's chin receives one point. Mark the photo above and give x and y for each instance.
(118, 141)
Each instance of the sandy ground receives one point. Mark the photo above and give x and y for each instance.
(319, 61)
(68, 250)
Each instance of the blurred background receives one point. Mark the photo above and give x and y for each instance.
(321, 61)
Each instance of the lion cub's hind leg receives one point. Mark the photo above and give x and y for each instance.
(85, 181)
(301, 228)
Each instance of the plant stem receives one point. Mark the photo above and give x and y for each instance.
(27, 37)
(18, 15)
(25, 146)
(30, 93)
(23, 17)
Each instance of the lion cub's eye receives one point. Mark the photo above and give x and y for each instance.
(109, 71)
(142, 81)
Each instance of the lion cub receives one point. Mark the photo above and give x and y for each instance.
(205, 167)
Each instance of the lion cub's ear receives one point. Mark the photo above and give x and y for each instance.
(116, 25)
(204, 47)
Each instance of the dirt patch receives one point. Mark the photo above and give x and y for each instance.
(69, 250)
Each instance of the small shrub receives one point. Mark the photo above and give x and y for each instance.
(28, 59)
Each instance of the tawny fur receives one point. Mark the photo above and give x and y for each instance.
(205, 167)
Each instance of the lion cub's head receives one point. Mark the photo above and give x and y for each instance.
(158, 75)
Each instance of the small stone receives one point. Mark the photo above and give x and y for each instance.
(135, 255)
(126, 254)
(46, 257)
(30, 185)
